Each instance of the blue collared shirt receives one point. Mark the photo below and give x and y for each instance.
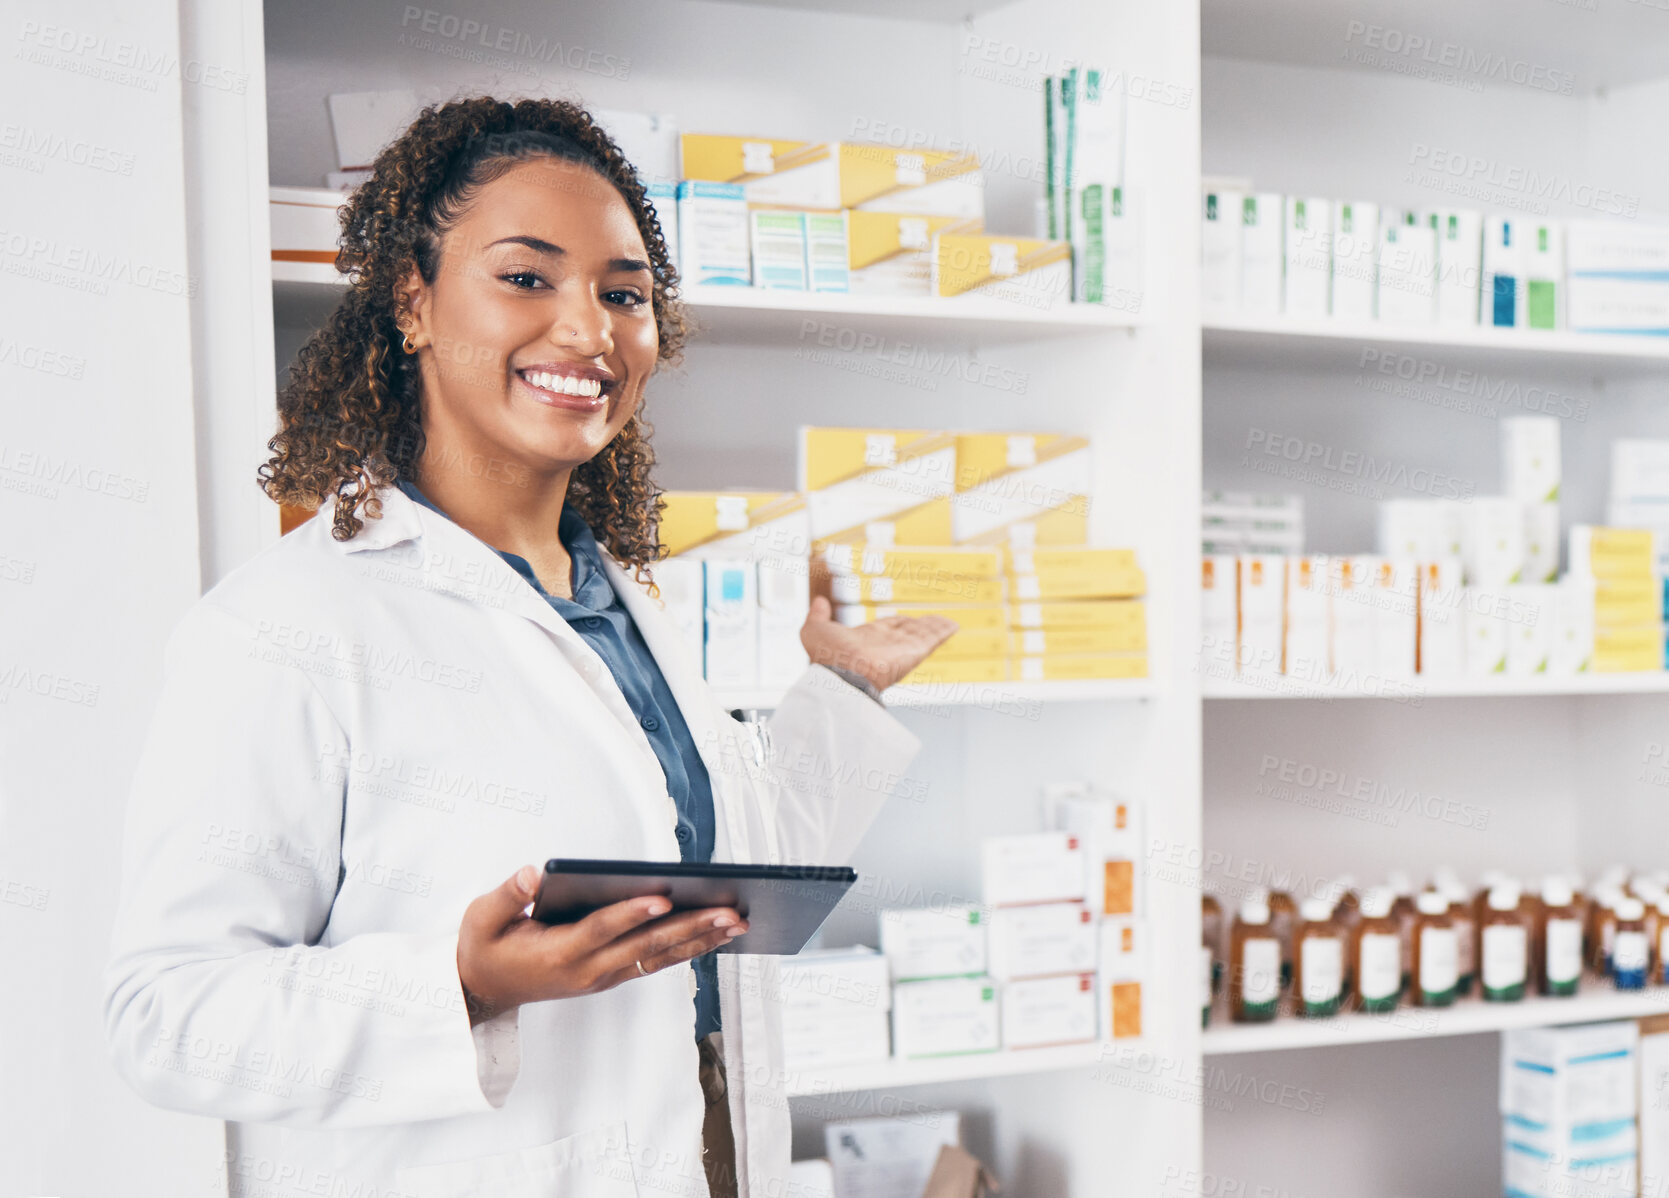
(596, 613)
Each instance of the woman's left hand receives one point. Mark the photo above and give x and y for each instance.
(883, 651)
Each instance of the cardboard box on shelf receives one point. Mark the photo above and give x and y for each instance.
(1043, 939)
(1494, 549)
(934, 942)
(1305, 649)
(891, 253)
(834, 175)
(1530, 613)
(1262, 613)
(1108, 828)
(1031, 867)
(1262, 262)
(1107, 247)
(1460, 235)
(1396, 619)
(1128, 616)
(1503, 275)
(1530, 462)
(713, 235)
(826, 252)
(946, 1017)
(1078, 667)
(1308, 241)
(1617, 276)
(1407, 282)
(1355, 250)
(769, 526)
(777, 238)
(878, 486)
(969, 618)
(731, 620)
(1027, 272)
(1572, 627)
(1220, 252)
(1612, 552)
(683, 591)
(1037, 1012)
(1486, 629)
(1354, 633)
(1544, 275)
(1442, 619)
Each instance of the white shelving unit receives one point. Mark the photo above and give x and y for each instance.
(1468, 1017)
(727, 416)
(1297, 101)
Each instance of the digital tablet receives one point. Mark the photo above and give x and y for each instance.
(783, 904)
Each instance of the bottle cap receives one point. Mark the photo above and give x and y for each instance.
(1556, 892)
(1431, 903)
(1663, 905)
(1316, 910)
(1503, 898)
(1254, 909)
(1400, 883)
(1453, 891)
(1376, 903)
(1630, 908)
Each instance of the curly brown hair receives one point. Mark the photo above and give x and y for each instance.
(349, 416)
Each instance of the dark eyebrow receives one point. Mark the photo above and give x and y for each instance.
(540, 246)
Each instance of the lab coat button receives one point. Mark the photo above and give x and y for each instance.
(683, 832)
(650, 722)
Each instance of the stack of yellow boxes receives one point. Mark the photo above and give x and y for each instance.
(988, 529)
(910, 221)
(1615, 570)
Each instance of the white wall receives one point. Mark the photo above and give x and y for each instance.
(98, 557)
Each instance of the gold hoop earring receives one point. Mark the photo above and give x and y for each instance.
(405, 343)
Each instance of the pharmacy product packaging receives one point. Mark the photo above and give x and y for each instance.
(1571, 1077)
(835, 981)
(1262, 613)
(681, 583)
(1544, 275)
(1031, 867)
(1107, 247)
(784, 590)
(1308, 244)
(713, 237)
(731, 620)
(1529, 616)
(1262, 257)
(1031, 274)
(304, 223)
(1355, 249)
(820, 1039)
(1541, 542)
(1396, 582)
(1123, 968)
(1503, 274)
(1443, 639)
(777, 238)
(1407, 280)
(835, 175)
(1220, 252)
(934, 942)
(1486, 629)
(1306, 652)
(1038, 1012)
(769, 526)
(1077, 667)
(648, 140)
(1109, 831)
(1572, 627)
(891, 253)
(1530, 462)
(1354, 633)
(1494, 546)
(1617, 277)
(1460, 237)
(1612, 552)
(1095, 128)
(945, 1017)
(1039, 940)
(1420, 527)
(1021, 489)
(1654, 1084)
(1640, 471)
(826, 269)
(1549, 1163)
(1219, 610)
(879, 486)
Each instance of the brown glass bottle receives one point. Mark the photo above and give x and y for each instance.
(1402, 911)
(1283, 919)
(1504, 947)
(1630, 953)
(1558, 953)
(1254, 964)
(1466, 935)
(1318, 961)
(1211, 936)
(1435, 965)
(1375, 955)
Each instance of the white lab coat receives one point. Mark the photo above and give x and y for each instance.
(353, 741)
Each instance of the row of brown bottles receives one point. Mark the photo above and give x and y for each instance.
(1371, 951)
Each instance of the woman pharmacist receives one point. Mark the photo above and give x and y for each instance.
(451, 671)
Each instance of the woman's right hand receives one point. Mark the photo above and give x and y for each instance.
(507, 958)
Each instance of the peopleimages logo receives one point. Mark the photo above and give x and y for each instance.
(1414, 47)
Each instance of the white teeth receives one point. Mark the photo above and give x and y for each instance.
(567, 384)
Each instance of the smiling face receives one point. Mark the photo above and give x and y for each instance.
(538, 332)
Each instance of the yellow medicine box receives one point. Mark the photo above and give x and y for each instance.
(1024, 271)
(891, 253)
(1628, 650)
(938, 670)
(1079, 667)
(946, 588)
(983, 616)
(1106, 614)
(877, 484)
(915, 562)
(1023, 490)
(1034, 642)
(830, 175)
(758, 524)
